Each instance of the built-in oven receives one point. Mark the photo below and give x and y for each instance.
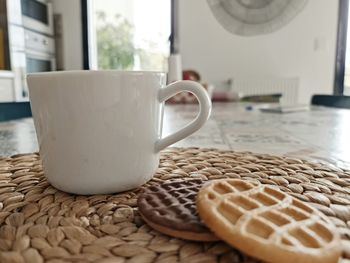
(39, 54)
(37, 16)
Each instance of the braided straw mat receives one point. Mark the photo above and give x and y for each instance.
(39, 223)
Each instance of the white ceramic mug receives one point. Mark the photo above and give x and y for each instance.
(99, 132)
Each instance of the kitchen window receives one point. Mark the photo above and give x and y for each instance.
(127, 34)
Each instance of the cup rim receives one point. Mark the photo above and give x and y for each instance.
(69, 72)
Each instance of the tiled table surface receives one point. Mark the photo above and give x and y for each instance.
(321, 133)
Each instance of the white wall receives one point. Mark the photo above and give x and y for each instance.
(305, 48)
(72, 32)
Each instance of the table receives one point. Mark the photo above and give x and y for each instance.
(92, 227)
(322, 133)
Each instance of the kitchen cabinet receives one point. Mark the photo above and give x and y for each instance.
(7, 92)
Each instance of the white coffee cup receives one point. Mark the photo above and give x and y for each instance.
(99, 132)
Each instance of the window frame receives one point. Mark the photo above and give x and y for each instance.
(85, 34)
(339, 74)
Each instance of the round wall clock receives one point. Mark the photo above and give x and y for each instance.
(255, 17)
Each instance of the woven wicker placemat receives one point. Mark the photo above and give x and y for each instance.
(39, 223)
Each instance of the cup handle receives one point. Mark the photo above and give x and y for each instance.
(203, 115)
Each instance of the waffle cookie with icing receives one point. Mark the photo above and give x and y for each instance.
(266, 223)
(170, 208)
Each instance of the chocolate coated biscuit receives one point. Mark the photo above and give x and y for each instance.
(171, 209)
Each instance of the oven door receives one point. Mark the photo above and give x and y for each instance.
(39, 62)
(37, 16)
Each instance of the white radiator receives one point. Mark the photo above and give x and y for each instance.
(288, 87)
